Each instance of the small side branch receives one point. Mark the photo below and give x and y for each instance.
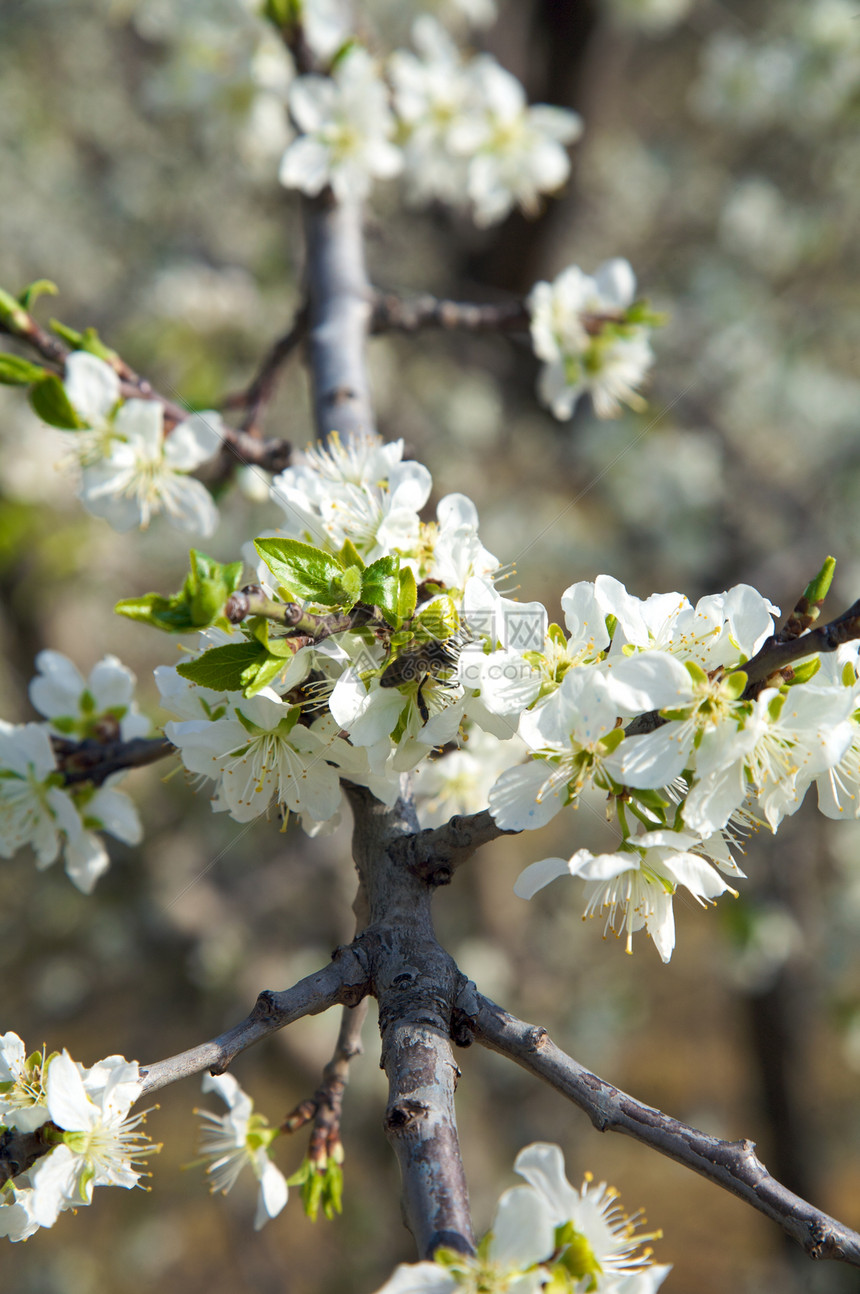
(325, 1107)
(95, 761)
(251, 450)
(344, 982)
(260, 390)
(435, 854)
(392, 314)
(730, 1164)
(775, 654)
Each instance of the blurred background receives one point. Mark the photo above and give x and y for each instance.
(139, 143)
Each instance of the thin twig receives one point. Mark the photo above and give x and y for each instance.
(730, 1164)
(343, 981)
(270, 455)
(325, 1109)
(392, 314)
(95, 761)
(260, 390)
(775, 654)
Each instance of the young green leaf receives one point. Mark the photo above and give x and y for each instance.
(350, 556)
(39, 288)
(230, 668)
(380, 587)
(307, 572)
(49, 400)
(15, 371)
(408, 594)
(197, 605)
(12, 313)
(87, 340)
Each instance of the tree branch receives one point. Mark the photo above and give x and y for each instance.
(271, 455)
(325, 1107)
(436, 853)
(730, 1164)
(260, 390)
(339, 309)
(392, 314)
(343, 982)
(775, 653)
(95, 761)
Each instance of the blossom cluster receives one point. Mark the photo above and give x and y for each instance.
(130, 468)
(460, 129)
(405, 656)
(84, 1113)
(37, 806)
(546, 1235)
(593, 339)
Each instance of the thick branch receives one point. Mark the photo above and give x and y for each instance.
(340, 308)
(435, 854)
(415, 982)
(343, 982)
(731, 1164)
(392, 314)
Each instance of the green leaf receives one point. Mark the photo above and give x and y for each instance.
(225, 669)
(803, 673)
(15, 371)
(407, 598)
(816, 590)
(350, 556)
(380, 587)
(346, 590)
(39, 288)
(303, 570)
(49, 400)
(88, 340)
(260, 675)
(12, 313)
(197, 605)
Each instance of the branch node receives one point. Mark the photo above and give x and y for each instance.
(404, 1114)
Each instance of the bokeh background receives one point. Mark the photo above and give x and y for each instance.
(138, 149)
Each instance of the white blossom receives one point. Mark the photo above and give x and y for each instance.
(346, 127)
(101, 1144)
(238, 1139)
(33, 809)
(580, 330)
(23, 1101)
(92, 707)
(520, 1238)
(570, 739)
(130, 469)
(258, 754)
(634, 886)
(357, 490)
(608, 1246)
(433, 92)
(36, 810)
(516, 152)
